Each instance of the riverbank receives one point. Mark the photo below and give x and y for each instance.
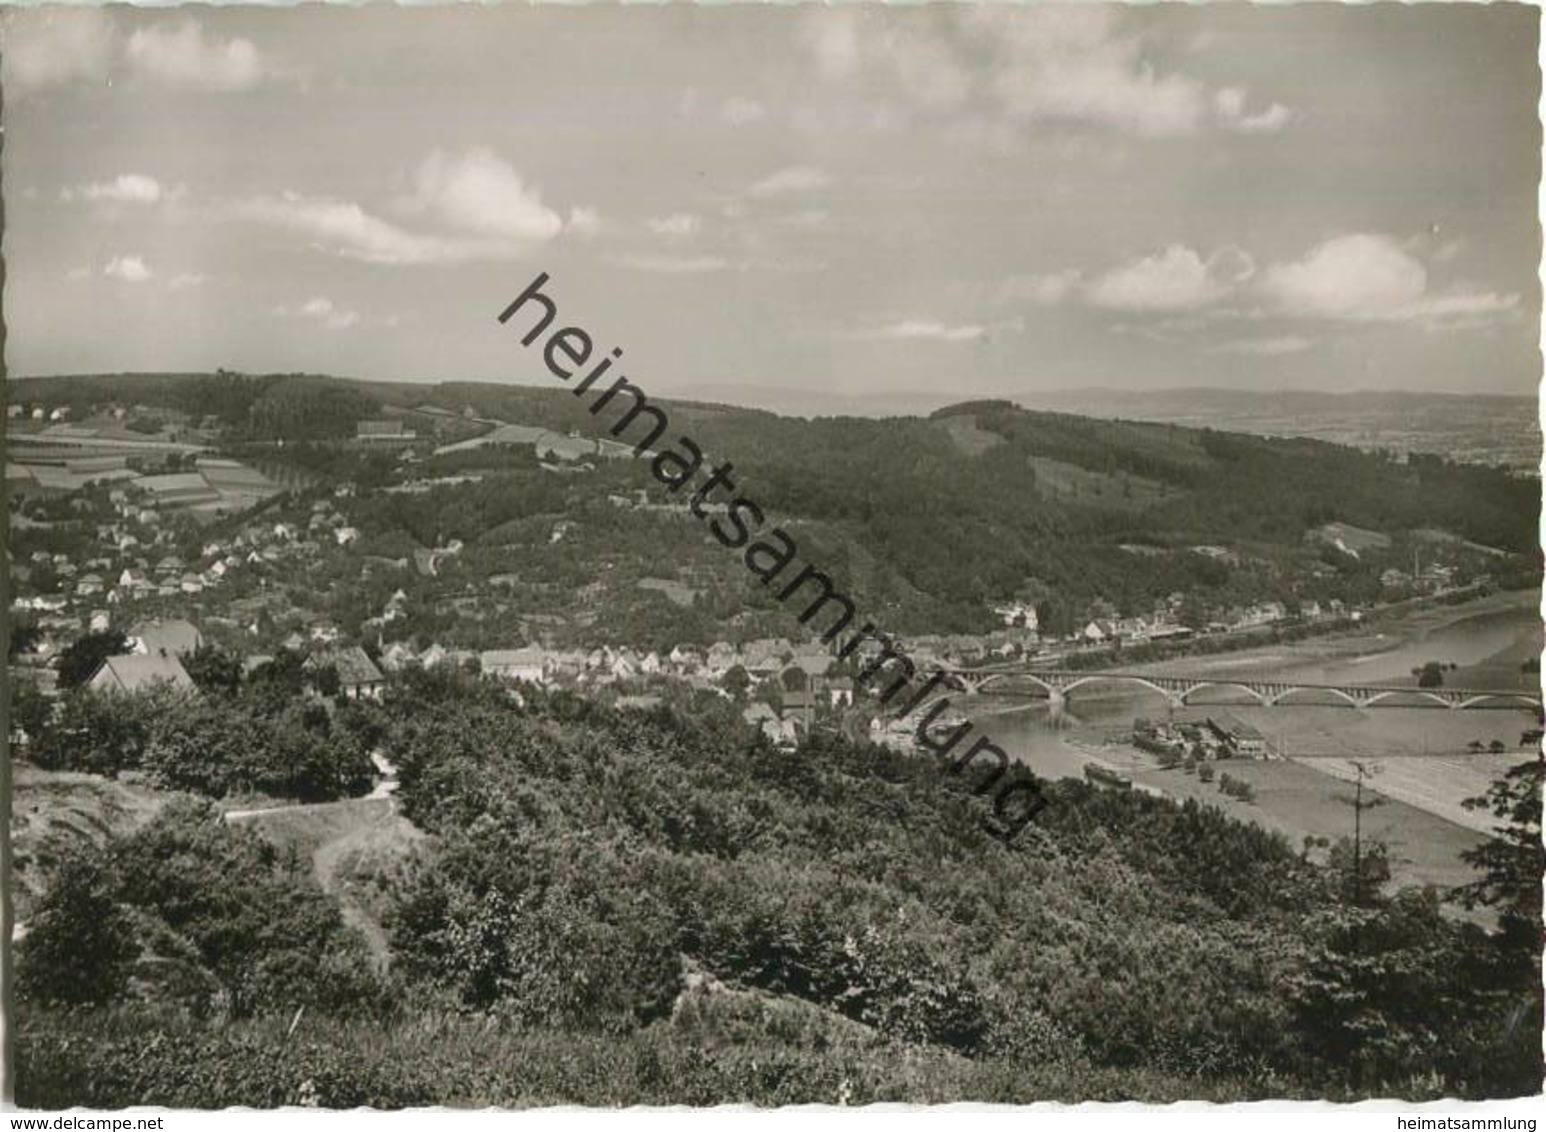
(1380, 637)
(1426, 760)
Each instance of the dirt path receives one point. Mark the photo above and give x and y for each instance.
(336, 835)
(330, 855)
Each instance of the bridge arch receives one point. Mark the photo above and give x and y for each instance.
(1421, 693)
(1521, 699)
(1117, 677)
(993, 677)
(1233, 684)
(1351, 701)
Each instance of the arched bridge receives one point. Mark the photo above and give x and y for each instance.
(1179, 690)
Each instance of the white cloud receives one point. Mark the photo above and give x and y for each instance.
(1070, 64)
(833, 36)
(1372, 278)
(742, 111)
(928, 329)
(185, 279)
(478, 192)
(322, 311)
(1066, 63)
(1044, 289)
(346, 229)
(1349, 277)
(1175, 279)
(672, 265)
(1229, 106)
(677, 224)
(1264, 347)
(471, 207)
(126, 188)
(925, 68)
(704, 264)
(182, 57)
(129, 268)
(583, 222)
(792, 179)
(49, 46)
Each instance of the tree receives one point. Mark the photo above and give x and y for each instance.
(213, 669)
(1513, 860)
(30, 709)
(78, 662)
(737, 680)
(79, 946)
(24, 634)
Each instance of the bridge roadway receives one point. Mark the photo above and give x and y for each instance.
(1178, 689)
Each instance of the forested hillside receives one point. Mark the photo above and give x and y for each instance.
(659, 907)
(931, 520)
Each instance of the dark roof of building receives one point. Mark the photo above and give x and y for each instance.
(134, 673)
(353, 666)
(173, 638)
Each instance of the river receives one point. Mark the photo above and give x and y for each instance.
(1421, 758)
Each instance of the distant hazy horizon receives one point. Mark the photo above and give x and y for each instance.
(843, 203)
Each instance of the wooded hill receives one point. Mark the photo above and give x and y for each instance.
(935, 519)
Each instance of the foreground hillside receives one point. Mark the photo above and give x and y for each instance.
(619, 906)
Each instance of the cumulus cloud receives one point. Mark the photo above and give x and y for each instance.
(671, 265)
(52, 46)
(181, 56)
(1043, 289)
(928, 329)
(479, 192)
(126, 188)
(833, 36)
(1229, 106)
(1264, 347)
(1349, 278)
(1069, 64)
(583, 222)
(183, 280)
(128, 268)
(742, 111)
(1355, 277)
(792, 179)
(1176, 279)
(1372, 278)
(704, 264)
(346, 229)
(322, 311)
(927, 70)
(472, 206)
(678, 224)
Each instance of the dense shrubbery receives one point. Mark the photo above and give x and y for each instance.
(192, 911)
(586, 865)
(265, 740)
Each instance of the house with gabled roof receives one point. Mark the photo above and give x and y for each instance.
(174, 637)
(358, 676)
(137, 673)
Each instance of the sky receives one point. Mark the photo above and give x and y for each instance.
(854, 201)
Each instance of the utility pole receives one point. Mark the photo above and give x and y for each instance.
(1359, 806)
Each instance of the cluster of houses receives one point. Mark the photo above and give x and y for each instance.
(37, 412)
(1211, 738)
(156, 649)
(1434, 578)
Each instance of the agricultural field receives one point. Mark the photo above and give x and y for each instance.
(1298, 801)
